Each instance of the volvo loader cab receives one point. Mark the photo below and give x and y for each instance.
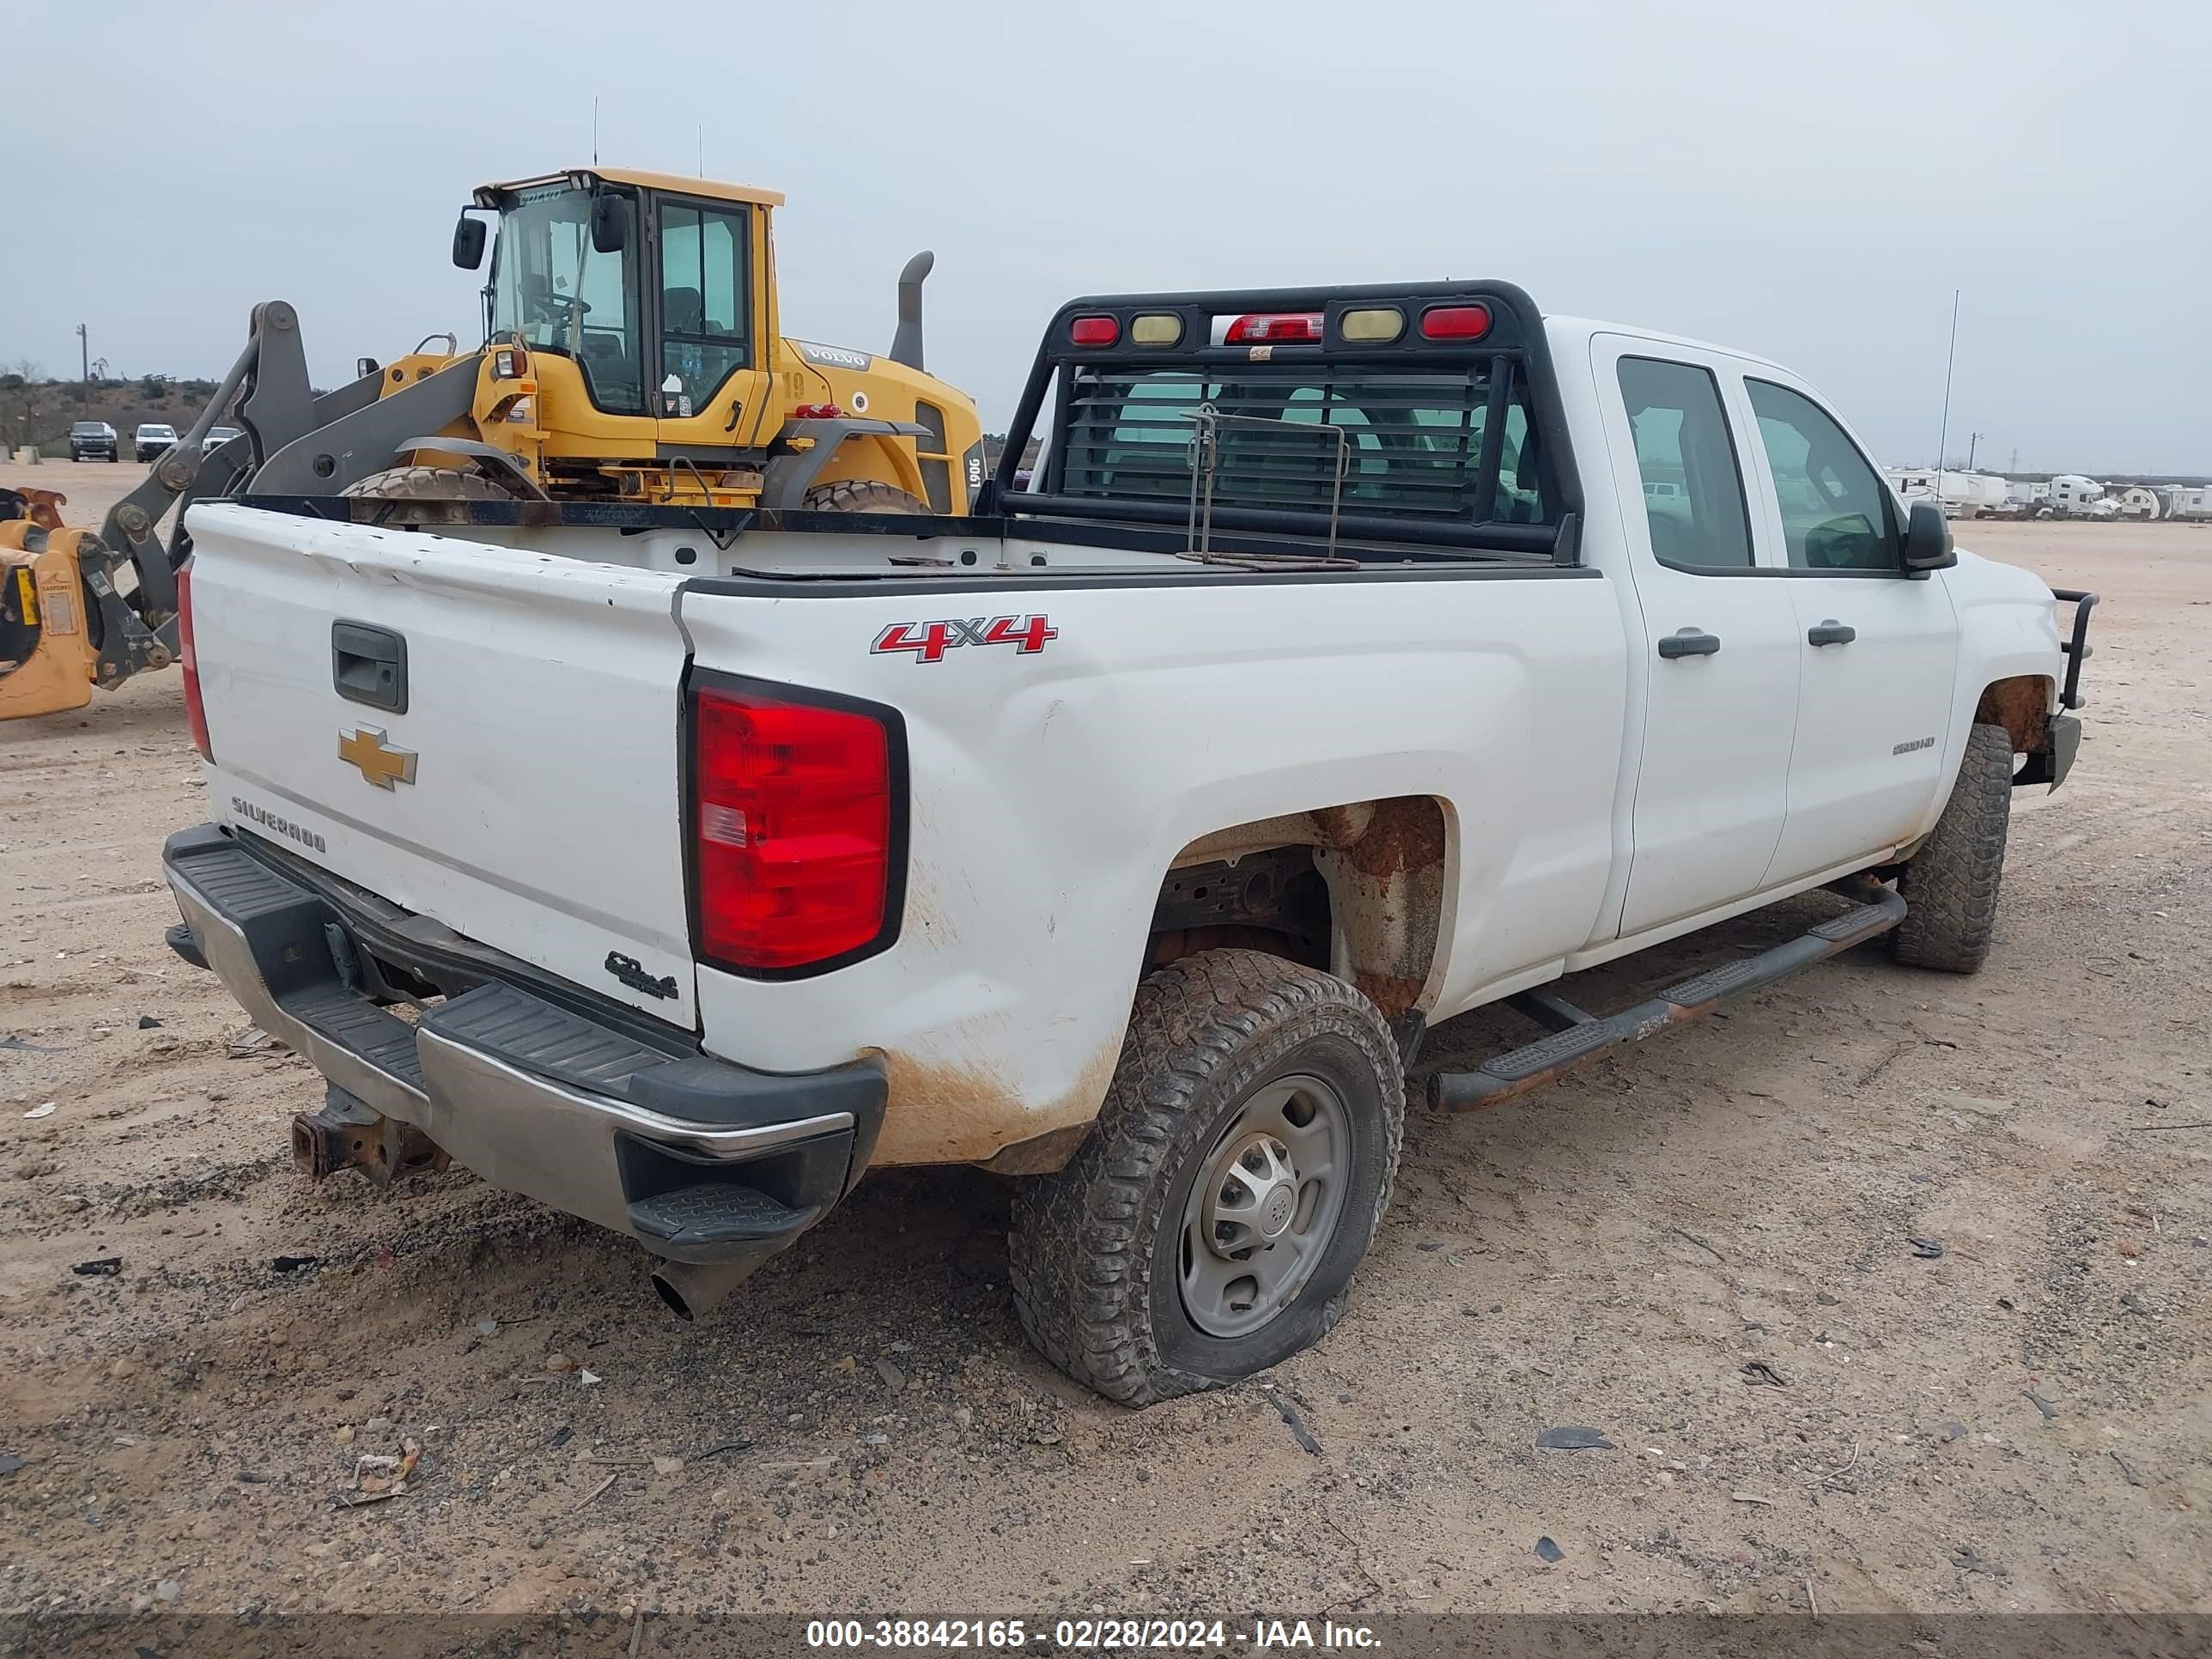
(635, 351)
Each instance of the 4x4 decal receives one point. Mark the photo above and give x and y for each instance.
(930, 640)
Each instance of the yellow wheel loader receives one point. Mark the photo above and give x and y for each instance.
(633, 372)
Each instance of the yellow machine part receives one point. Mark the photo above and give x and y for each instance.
(43, 589)
(544, 417)
(932, 474)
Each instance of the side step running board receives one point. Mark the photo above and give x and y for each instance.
(1578, 1038)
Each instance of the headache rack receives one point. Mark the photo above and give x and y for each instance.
(1388, 423)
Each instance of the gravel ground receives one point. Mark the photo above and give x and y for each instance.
(1700, 1250)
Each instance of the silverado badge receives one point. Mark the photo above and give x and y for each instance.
(380, 763)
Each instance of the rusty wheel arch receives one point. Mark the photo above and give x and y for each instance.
(2021, 704)
(1383, 863)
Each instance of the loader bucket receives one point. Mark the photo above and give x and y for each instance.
(48, 660)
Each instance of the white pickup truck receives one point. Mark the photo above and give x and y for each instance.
(1341, 670)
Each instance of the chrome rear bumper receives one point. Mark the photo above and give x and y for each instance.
(700, 1160)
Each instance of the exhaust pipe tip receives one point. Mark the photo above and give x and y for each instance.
(690, 1289)
(670, 1297)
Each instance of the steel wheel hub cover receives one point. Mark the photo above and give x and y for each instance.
(1265, 1206)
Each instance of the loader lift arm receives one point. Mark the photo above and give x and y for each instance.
(296, 439)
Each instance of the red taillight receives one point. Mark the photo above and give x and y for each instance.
(188, 660)
(792, 829)
(1455, 322)
(1290, 326)
(1094, 330)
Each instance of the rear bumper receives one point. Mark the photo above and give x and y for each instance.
(699, 1160)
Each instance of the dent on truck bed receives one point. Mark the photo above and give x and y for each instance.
(1384, 863)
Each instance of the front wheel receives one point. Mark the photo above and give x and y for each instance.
(1209, 1227)
(1950, 887)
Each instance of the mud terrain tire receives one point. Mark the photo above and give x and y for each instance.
(1951, 885)
(1102, 1251)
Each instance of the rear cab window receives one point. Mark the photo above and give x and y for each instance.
(1412, 444)
(1693, 496)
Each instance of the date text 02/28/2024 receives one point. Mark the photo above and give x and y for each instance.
(1202, 1634)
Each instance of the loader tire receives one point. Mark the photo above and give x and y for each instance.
(861, 496)
(1950, 887)
(1248, 1087)
(428, 484)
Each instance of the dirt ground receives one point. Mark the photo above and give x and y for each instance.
(2023, 1423)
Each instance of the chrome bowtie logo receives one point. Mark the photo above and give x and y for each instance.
(379, 762)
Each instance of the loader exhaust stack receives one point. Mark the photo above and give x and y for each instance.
(906, 343)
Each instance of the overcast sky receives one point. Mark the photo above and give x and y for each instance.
(1806, 181)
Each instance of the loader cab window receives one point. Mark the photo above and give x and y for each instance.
(552, 288)
(704, 302)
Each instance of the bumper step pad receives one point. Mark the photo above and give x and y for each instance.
(716, 1214)
(1578, 1038)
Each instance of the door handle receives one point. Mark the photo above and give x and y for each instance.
(1690, 642)
(1830, 632)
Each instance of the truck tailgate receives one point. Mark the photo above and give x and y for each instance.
(527, 794)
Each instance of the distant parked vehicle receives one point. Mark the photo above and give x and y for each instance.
(218, 436)
(92, 441)
(152, 438)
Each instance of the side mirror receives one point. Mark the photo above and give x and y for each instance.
(469, 243)
(610, 224)
(1927, 540)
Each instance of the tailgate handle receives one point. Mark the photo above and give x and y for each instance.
(368, 664)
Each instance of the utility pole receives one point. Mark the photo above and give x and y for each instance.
(84, 346)
(1973, 439)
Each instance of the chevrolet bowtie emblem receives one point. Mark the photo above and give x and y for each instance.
(380, 763)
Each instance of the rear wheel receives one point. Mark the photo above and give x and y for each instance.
(861, 496)
(428, 484)
(1950, 887)
(1209, 1227)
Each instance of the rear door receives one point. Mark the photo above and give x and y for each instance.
(486, 736)
(1721, 659)
(1880, 650)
